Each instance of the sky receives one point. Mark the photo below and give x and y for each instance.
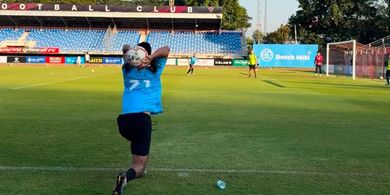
(279, 11)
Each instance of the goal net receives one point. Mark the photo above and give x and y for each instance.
(351, 58)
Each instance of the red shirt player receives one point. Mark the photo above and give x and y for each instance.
(318, 62)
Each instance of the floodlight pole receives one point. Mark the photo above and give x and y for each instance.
(295, 34)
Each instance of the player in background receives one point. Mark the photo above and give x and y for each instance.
(87, 58)
(192, 62)
(318, 63)
(141, 99)
(252, 62)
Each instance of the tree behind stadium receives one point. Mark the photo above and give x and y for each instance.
(324, 21)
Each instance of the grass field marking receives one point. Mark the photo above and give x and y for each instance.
(247, 171)
(61, 81)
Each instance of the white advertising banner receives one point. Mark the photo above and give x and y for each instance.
(200, 62)
(205, 62)
(3, 59)
(183, 62)
(171, 61)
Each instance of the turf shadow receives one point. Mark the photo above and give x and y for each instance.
(274, 83)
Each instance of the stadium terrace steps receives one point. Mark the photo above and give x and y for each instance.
(83, 40)
(201, 43)
(109, 41)
(9, 36)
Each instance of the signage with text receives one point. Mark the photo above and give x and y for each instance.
(96, 60)
(16, 59)
(75, 60)
(283, 55)
(29, 50)
(223, 62)
(107, 8)
(55, 59)
(240, 62)
(36, 59)
(112, 60)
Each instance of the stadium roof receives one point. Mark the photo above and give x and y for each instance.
(101, 16)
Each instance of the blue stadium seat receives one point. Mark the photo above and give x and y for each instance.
(69, 40)
(124, 37)
(203, 43)
(81, 40)
(10, 34)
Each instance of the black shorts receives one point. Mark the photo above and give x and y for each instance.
(252, 67)
(136, 128)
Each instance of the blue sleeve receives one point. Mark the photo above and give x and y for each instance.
(161, 64)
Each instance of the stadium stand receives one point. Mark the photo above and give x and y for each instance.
(186, 30)
(124, 37)
(111, 40)
(10, 34)
(68, 40)
(202, 42)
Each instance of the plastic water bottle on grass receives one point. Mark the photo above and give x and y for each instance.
(221, 184)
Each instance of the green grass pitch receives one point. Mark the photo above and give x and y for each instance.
(286, 132)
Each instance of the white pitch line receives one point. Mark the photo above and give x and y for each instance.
(247, 171)
(54, 82)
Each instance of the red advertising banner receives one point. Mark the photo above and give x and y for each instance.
(55, 59)
(29, 50)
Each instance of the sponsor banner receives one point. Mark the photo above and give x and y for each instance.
(183, 62)
(96, 60)
(107, 8)
(223, 62)
(74, 60)
(16, 59)
(29, 50)
(112, 60)
(171, 61)
(205, 62)
(3, 59)
(240, 62)
(36, 59)
(281, 55)
(55, 59)
(200, 62)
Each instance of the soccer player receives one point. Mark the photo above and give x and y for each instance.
(192, 62)
(388, 70)
(141, 99)
(252, 62)
(87, 58)
(318, 63)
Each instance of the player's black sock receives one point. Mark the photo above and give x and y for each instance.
(130, 174)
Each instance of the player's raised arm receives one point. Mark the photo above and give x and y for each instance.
(126, 48)
(161, 52)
